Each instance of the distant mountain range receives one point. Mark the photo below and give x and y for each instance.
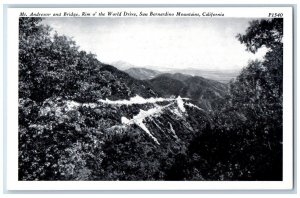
(207, 93)
(142, 73)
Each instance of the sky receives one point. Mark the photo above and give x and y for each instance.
(161, 43)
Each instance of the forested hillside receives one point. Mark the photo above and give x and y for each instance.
(207, 94)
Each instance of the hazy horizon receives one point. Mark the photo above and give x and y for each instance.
(127, 65)
(161, 43)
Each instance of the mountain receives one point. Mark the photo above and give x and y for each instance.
(167, 86)
(208, 94)
(142, 73)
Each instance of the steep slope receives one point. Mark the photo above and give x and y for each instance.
(167, 86)
(142, 73)
(208, 94)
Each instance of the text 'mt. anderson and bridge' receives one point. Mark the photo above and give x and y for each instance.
(127, 14)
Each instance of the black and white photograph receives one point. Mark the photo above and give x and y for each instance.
(150, 98)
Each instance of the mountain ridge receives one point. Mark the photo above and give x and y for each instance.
(208, 94)
(147, 73)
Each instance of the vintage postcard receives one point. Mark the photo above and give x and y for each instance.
(150, 98)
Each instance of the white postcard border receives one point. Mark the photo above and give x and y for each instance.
(12, 115)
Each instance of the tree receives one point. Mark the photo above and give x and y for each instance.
(49, 71)
(266, 32)
(259, 86)
(51, 65)
(32, 38)
(256, 96)
(249, 126)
